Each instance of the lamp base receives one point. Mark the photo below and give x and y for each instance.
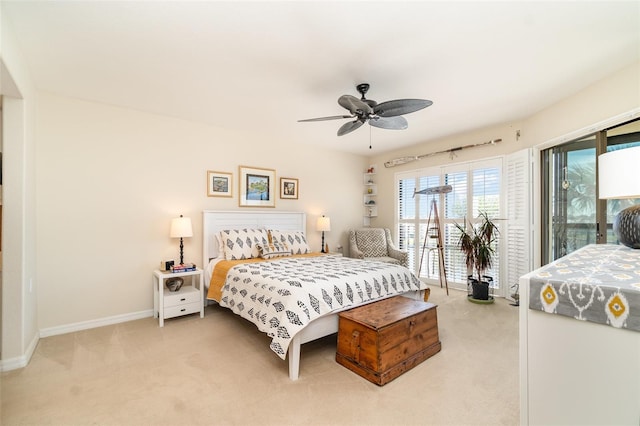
(626, 226)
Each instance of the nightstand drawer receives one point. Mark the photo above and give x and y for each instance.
(184, 296)
(184, 309)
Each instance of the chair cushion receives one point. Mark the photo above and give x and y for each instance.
(372, 242)
(385, 259)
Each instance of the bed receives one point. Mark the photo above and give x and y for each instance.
(294, 298)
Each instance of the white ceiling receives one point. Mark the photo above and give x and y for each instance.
(264, 65)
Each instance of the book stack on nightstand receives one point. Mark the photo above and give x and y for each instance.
(183, 267)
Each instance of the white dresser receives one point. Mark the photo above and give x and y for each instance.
(579, 342)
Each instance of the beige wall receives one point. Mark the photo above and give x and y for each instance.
(109, 180)
(611, 97)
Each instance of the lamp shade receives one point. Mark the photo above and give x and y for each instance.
(181, 227)
(616, 179)
(324, 224)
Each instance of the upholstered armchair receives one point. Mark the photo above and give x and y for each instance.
(375, 244)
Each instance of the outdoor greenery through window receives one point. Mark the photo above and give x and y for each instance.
(570, 188)
(476, 187)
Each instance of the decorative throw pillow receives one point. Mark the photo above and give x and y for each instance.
(269, 251)
(294, 239)
(372, 242)
(242, 243)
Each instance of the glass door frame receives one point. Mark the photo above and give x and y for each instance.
(602, 143)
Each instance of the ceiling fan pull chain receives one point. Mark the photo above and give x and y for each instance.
(369, 137)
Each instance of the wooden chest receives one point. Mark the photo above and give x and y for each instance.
(382, 340)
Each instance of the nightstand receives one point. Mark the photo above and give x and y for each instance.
(188, 300)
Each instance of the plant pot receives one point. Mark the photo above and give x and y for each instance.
(479, 290)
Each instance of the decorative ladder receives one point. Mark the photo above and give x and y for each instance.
(434, 231)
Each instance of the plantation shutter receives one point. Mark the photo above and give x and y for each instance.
(518, 237)
(455, 211)
(406, 217)
(476, 187)
(486, 199)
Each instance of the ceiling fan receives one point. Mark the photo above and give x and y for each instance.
(386, 115)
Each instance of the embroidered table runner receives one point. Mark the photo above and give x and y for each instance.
(598, 283)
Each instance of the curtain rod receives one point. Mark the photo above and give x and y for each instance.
(404, 160)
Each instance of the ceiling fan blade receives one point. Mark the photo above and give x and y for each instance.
(333, 117)
(400, 107)
(354, 105)
(349, 127)
(393, 123)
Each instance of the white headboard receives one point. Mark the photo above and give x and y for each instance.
(215, 221)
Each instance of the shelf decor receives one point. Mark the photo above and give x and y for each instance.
(257, 187)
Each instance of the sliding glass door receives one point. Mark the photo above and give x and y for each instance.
(570, 197)
(572, 214)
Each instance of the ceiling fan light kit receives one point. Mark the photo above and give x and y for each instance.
(386, 115)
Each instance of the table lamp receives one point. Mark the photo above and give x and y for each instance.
(324, 224)
(617, 180)
(181, 228)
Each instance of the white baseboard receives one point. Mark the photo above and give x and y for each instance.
(101, 322)
(20, 361)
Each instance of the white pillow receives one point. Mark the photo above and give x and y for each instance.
(294, 239)
(217, 248)
(242, 243)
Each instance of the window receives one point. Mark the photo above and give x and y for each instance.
(476, 187)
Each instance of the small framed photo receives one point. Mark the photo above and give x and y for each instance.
(289, 188)
(219, 184)
(257, 187)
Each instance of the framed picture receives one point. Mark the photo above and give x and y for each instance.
(257, 187)
(219, 184)
(289, 188)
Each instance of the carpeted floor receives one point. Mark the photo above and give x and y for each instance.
(219, 370)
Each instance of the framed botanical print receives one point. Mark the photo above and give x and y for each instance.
(257, 187)
(289, 188)
(219, 184)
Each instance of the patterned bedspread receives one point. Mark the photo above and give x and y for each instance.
(283, 296)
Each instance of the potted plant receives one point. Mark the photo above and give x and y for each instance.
(477, 246)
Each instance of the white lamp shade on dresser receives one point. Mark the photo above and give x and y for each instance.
(616, 177)
(617, 180)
